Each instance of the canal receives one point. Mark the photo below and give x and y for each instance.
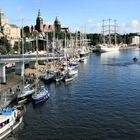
(102, 103)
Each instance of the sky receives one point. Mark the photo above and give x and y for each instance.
(84, 15)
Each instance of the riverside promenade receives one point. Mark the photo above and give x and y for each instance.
(14, 80)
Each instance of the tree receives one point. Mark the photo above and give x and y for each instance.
(3, 50)
(5, 46)
(28, 47)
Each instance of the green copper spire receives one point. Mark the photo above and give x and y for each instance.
(39, 14)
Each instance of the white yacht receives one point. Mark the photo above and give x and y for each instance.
(10, 119)
(83, 52)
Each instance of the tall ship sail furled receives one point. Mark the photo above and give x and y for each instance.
(83, 45)
(107, 33)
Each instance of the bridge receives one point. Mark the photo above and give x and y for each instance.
(18, 59)
(27, 58)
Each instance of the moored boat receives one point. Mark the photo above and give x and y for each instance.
(68, 79)
(83, 59)
(48, 77)
(109, 47)
(10, 119)
(59, 78)
(25, 94)
(41, 95)
(73, 72)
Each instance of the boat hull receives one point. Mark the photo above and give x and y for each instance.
(109, 49)
(57, 79)
(48, 79)
(40, 99)
(68, 79)
(83, 54)
(11, 128)
(23, 98)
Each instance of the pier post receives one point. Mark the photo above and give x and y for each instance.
(2, 74)
(19, 68)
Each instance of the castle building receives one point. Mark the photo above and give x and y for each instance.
(42, 30)
(41, 27)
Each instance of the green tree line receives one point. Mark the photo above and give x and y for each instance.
(98, 38)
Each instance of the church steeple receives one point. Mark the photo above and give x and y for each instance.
(39, 22)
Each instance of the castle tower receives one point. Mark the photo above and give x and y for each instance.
(39, 22)
(3, 18)
(57, 25)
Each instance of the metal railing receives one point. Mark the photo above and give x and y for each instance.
(29, 57)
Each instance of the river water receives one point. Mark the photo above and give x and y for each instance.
(102, 103)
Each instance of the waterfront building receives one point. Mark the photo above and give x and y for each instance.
(43, 30)
(10, 31)
(135, 40)
(58, 28)
(41, 27)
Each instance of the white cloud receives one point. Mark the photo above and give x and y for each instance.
(135, 24)
(130, 27)
(93, 26)
(90, 21)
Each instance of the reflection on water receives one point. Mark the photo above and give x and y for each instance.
(110, 55)
(115, 58)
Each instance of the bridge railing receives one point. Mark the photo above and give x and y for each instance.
(29, 56)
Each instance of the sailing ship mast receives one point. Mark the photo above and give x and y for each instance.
(66, 51)
(36, 63)
(109, 31)
(46, 50)
(23, 66)
(103, 27)
(115, 31)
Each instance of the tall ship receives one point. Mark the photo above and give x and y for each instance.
(108, 30)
